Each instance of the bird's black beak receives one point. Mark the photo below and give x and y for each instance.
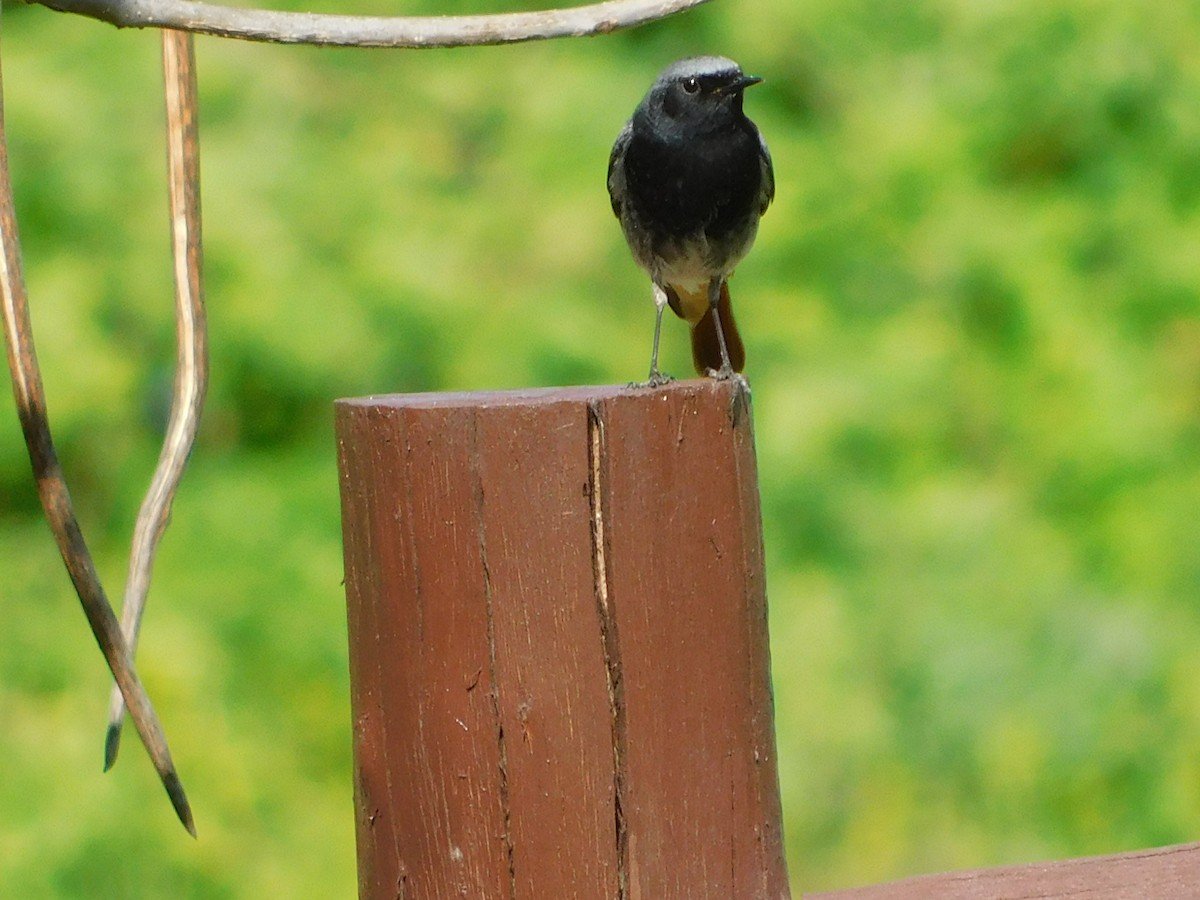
(744, 82)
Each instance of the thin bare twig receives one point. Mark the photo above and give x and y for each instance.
(191, 335)
(413, 32)
(56, 500)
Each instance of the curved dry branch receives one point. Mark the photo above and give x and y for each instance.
(191, 335)
(56, 499)
(412, 32)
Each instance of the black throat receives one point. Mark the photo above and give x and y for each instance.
(686, 180)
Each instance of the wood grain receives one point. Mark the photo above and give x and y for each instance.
(1164, 873)
(559, 660)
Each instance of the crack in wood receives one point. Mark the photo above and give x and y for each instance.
(494, 694)
(597, 488)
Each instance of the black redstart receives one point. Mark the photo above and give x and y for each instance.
(689, 177)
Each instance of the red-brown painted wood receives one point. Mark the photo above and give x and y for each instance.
(559, 660)
(1164, 873)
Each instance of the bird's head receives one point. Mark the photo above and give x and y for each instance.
(704, 92)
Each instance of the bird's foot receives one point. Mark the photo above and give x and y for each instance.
(739, 403)
(656, 380)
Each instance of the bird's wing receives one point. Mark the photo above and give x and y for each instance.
(616, 169)
(767, 193)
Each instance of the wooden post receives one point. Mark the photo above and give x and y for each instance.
(560, 673)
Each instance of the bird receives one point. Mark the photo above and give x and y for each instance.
(689, 178)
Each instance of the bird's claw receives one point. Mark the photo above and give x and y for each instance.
(656, 380)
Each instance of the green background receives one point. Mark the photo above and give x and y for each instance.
(974, 338)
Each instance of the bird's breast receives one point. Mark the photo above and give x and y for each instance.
(707, 184)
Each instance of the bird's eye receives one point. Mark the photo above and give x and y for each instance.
(691, 86)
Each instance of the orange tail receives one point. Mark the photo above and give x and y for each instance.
(706, 348)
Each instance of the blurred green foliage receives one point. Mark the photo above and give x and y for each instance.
(974, 337)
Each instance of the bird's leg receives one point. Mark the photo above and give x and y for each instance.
(660, 303)
(714, 297)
